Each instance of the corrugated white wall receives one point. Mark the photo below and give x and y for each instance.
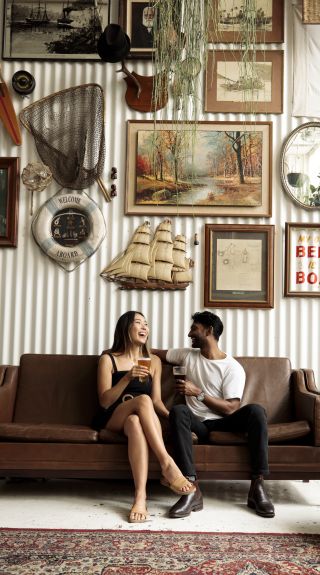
(45, 309)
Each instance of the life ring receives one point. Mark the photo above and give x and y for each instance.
(69, 228)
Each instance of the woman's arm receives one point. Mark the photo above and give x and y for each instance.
(156, 369)
(106, 393)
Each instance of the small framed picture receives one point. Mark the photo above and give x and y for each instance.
(239, 266)
(253, 86)
(229, 21)
(137, 18)
(53, 30)
(9, 195)
(302, 260)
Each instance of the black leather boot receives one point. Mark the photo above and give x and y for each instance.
(187, 503)
(258, 498)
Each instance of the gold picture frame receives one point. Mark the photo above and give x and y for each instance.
(239, 266)
(161, 181)
(9, 201)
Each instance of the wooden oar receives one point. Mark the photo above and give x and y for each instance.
(7, 113)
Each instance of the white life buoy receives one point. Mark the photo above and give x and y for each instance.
(69, 228)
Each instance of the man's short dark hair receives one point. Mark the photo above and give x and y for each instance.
(209, 319)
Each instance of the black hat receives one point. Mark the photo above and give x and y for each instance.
(113, 44)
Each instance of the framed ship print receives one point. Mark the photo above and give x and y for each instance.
(213, 168)
(53, 30)
(302, 260)
(9, 195)
(229, 22)
(254, 86)
(239, 262)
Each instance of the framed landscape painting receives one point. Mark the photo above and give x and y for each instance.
(217, 169)
(53, 30)
(230, 23)
(239, 262)
(254, 86)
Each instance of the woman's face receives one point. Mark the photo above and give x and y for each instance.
(139, 330)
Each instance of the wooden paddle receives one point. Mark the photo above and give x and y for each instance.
(7, 113)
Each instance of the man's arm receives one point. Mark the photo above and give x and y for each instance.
(162, 353)
(220, 406)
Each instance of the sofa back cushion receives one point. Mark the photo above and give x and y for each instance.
(267, 383)
(57, 389)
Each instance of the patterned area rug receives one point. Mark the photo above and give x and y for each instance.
(67, 552)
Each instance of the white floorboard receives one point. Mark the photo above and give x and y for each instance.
(82, 504)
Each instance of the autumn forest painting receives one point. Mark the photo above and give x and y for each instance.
(214, 168)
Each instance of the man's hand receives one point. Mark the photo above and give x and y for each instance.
(185, 387)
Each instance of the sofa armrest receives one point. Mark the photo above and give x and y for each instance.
(307, 404)
(8, 389)
(310, 381)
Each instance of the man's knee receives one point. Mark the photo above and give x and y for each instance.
(257, 412)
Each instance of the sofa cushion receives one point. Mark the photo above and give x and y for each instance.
(43, 432)
(278, 432)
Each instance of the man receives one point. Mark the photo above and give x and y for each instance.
(213, 389)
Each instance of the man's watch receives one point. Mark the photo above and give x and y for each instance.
(200, 397)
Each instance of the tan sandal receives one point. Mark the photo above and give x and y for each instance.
(135, 509)
(177, 485)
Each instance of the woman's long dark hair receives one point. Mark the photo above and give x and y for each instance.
(121, 340)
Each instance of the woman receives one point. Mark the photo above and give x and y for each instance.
(130, 400)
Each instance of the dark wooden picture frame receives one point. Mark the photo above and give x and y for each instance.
(9, 196)
(270, 26)
(132, 20)
(239, 266)
(302, 260)
(230, 88)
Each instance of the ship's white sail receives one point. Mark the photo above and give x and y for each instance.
(161, 253)
(134, 262)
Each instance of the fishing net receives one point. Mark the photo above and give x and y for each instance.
(68, 128)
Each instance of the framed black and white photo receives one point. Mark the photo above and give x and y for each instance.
(137, 19)
(53, 29)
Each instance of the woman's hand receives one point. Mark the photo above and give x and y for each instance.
(139, 371)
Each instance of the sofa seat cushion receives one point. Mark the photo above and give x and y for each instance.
(278, 432)
(51, 432)
(106, 436)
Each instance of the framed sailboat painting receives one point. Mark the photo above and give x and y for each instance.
(53, 29)
(217, 169)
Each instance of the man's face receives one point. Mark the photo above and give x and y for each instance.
(198, 334)
(147, 17)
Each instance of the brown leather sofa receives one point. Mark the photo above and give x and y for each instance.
(47, 403)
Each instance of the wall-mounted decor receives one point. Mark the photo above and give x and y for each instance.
(230, 174)
(137, 18)
(9, 196)
(7, 113)
(230, 21)
(152, 261)
(300, 160)
(250, 86)
(239, 266)
(302, 260)
(69, 228)
(53, 30)
(310, 12)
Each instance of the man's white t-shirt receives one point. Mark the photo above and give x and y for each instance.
(220, 378)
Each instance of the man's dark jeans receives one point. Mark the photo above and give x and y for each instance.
(250, 419)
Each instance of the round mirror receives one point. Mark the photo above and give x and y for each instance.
(300, 165)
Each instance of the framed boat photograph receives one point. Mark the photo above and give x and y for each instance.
(239, 262)
(207, 169)
(302, 260)
(54, 30)
(9, 196)
(137, 18)
(251, 86)
(229, 22)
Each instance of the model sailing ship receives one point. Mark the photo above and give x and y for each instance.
(157, 262)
